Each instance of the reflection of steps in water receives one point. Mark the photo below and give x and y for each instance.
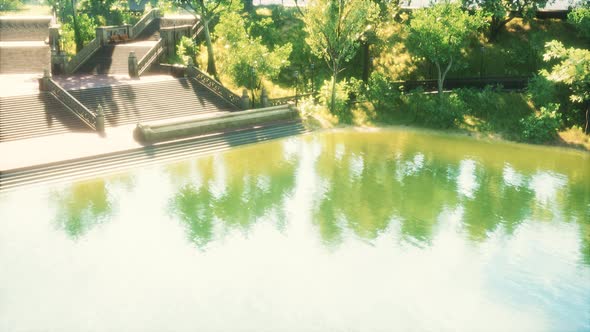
(29, 116)
(162, 153)
(133, 103)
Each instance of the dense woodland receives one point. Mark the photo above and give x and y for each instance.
(354, 56)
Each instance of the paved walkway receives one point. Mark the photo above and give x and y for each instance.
(49, 149)
(19, 84)
(77, 82)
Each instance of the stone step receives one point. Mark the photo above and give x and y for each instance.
(161, 153)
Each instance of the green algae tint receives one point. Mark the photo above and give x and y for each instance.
(336, 231)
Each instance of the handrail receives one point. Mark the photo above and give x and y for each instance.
(213, 85)
(144, 22)
(144, 63)
(77, 60)
(86, 115)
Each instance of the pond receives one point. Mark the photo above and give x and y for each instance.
(333, 231)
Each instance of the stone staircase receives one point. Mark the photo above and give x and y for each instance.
(161, 153)
(29, 116)
(113, 59)
(144, 102)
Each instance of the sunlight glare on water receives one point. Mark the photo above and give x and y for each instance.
(334, 231)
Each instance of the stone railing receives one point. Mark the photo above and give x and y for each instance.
(148, 59)
(94, 121)
(144, 22)
(77, 60)
(285, 100)
(213, 85)
(173, 129)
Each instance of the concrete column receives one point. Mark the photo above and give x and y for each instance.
(133, 68)
(100, 119)
(245, 100)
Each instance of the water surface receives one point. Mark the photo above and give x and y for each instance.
(335, 231)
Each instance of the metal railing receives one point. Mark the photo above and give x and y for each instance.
(507, 83)
(83, 113)
(213, 85)
(144, 22)
(148, 59)
(77, 60)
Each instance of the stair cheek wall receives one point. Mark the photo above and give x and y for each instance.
(25, 59)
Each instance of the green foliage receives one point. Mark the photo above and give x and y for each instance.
(541, 91)
(573, 70)
(7, 5)
(187, 49)
(580, 19)
(334, 29)
(342, 96)
(247, 60)
(501, 12)
(541, 127)
(86, 28)
(381, 93)
(440, 33)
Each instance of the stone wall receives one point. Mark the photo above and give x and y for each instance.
(16, 58)
(26, 28)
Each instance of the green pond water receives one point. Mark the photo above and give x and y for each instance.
(386, 230)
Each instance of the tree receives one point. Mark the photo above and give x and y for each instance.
(206, 11)
(503, 11)
(440, 33)
(334, 29)
(573, 70)
(246, 59)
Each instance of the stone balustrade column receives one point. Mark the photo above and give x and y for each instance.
(264, 98)
(133, 67)
(100, 119)
(245, 100)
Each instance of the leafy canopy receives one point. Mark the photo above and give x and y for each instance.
(247, 60)
(334, 28)
(572, 70)
(440, 33)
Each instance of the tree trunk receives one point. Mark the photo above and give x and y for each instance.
(210, 57)
(442, 76)
(334, 78)
(587, 110)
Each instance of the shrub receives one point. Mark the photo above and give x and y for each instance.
(541, 91)
(542, 126)
(187, 49)
(381, 93)
(342, 96)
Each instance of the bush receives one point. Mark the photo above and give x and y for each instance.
(381, 93)
(187, 49)
(541, 91)
(342, 96)
(542, 126)
(87, 33)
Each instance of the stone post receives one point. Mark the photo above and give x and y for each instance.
(245, 100)
(264, 98)
(54, 37)
(100, 119)
(129, 30)
(44, 81)
(101, 36)
(133, 69)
